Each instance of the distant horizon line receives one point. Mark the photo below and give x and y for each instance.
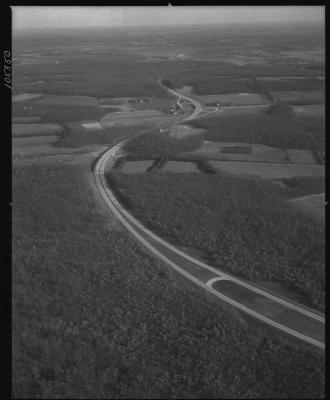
(123, 26)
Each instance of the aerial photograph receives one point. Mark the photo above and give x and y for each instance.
(168, 202)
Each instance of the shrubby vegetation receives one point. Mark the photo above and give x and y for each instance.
(96, 317)
(280, 127)
(244, 225)
(155, 144)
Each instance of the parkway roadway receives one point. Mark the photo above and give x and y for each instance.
(267, 307)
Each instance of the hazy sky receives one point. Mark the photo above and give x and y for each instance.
(69, 16)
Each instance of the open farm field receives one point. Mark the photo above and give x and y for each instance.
(180, 167)
(301, 156)
(32, 146)
(33, 129)
(242, 60)
(69, 100)
(268, 170)
(313, 205)
(153, 119)
(253, 153)
(91, 125)
(234, 99)
(26, 96)
(244, 110)
(59, 112)
(25, 120)
(240, 91)
(239, 149)
(299, 97)
(56, 156)
(155, 144)
(77, 136)
(115, 116)
(227, 151)
(136, 167)
(101, 304)
(291, 83)
(154, 104)
(286, 78)
(317, 110)
(246, 226)
(312, 54)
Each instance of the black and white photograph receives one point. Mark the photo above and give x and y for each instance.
(167, 201)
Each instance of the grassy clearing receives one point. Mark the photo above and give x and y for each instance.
(95, 317)
(244, 225)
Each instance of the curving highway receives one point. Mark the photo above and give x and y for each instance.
(269, 308)
(199, 108)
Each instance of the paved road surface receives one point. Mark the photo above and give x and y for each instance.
(276, 311)
(199, 107)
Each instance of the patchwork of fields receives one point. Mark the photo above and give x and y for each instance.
(225, 151)
(268, 170)
(33, 129)
(299, 97)
(135, 167)
(93, 315)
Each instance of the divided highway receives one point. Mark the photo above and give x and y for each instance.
(269, 308)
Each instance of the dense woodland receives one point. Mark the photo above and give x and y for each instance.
(94, 315)
(244, 226)
(59, 113)
(93, 321)
(298, 132)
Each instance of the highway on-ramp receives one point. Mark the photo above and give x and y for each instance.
(269, 308)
